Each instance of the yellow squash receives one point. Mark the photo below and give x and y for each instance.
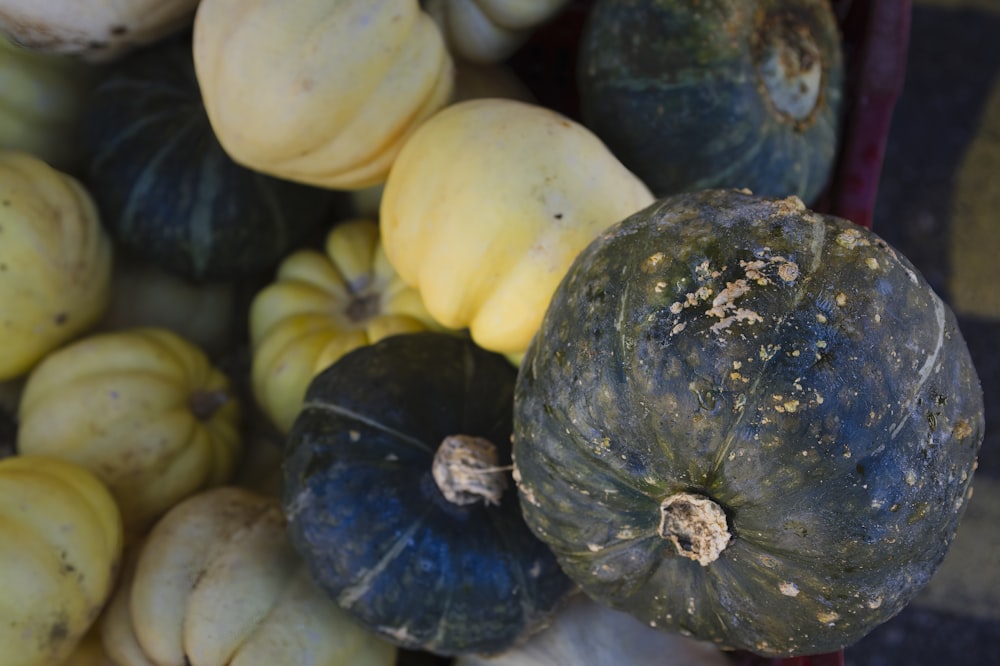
(143, 409)
(487, 205)
(216, 583)
(319, 91)
(321, 306)
(487, 31)
(60, 549)
(55, 261)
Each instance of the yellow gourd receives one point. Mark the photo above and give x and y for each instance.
(143, 409)
(319, 91)
(321, 306)
(55, 261)
(487, 205)
(93, 30)
(487, 31)
(216, 583)
(60, 549)
(40, 106)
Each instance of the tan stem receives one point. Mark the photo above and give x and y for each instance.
(466, 470)
(696, 526)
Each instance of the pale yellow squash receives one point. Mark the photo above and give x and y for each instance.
(216, 583)
(43, 95)
(321, 306)
(319, 91)
(487, 205)
(60, 550)
(94, 30)
(55, 261)
(143, 409)
(488, 31)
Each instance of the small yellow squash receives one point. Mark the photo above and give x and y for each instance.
(321, 306)
(487, 31)
(60, 549)
(217, 583)
(94, 30)
(55, 261)
(319, 91)
(40, 105)
(143, 409)
(487, 205)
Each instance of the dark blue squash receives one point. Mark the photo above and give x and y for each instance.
(367, 516)
(166, 189)
(688, 95)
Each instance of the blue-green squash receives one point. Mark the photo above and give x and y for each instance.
(167, 190)
(747, 421)
(399, 499)
(696, 94)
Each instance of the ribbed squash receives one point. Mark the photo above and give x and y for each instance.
(55, 261)
(60, 549)
(319, 307)
(143, 409)
(747, 421)
(216, 583)
(487, 205)
(319, 91)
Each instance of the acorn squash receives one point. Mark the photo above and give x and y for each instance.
(216, 583)
(319, 91)
(141, 408)
(727, 93)
(168, 191)
(55, 261)
(486, 206)
(398, 497)
(60, 548)
(747, 421)
(319, 307)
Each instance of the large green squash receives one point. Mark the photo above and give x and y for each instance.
(399, 499)
(165, 187)
(694, 94)
(747, 421)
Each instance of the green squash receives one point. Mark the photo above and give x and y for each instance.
(747, 421)
(695, 94)
(166, 189)
(398, 495)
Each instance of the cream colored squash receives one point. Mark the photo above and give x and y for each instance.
(487, 205)
(40, 105)
(321, 306)
(143, 409)
(216, 583)
(488, 31)
(319, 91)
(94, 30)
(55, 261)
(60, 549)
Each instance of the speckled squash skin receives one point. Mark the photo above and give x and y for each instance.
(790, 369)
(690, 95)
(369, 519)
(168, 190)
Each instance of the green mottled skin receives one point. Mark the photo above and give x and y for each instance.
(835, 418)
(672, 87)
(373, 528)
(165, 187)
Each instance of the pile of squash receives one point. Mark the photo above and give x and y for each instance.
(323, 341)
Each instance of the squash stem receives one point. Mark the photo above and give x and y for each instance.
(203, 404)
(696, 525)
(466, 470)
